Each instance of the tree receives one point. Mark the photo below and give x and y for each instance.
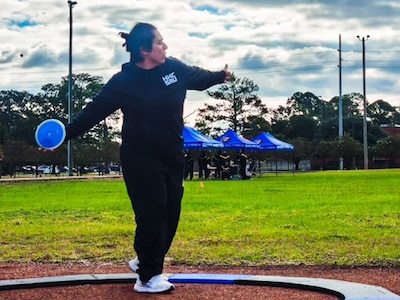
(240, 109)
(350, 150)
(352, 104)
(303, 149)
(255, 125)
(3, 134)
(387, 148)
(1, 160)
(280, 127)
(54, 99)
(21, 112)
(305, 115)
(325, 150)
(301, 126)
(16, 116)
(306, 104)
(17, 153)
(381, 112)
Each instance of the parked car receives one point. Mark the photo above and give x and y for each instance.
(28, 169)
(64, 169)
(115, 168)
(43, 169)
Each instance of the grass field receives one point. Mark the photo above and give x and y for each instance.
(333, 218)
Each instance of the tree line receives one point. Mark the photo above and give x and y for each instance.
(21, 112)
(306, 120)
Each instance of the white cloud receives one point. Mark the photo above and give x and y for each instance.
(281, 46)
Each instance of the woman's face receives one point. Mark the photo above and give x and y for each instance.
(158, 54)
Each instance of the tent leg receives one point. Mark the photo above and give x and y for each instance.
(293, 163)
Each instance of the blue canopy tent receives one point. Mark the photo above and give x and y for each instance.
(267, 142)
(233, 141)
(193, 139)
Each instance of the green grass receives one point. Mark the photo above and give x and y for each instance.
(333, 218)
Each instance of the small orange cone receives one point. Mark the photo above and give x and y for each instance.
(201, 184)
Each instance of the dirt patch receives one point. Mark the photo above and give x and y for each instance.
(388, 278)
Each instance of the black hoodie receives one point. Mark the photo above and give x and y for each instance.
(151, 102)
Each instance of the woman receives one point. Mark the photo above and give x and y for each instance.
(150, 90)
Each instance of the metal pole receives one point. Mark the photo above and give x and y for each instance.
(340, 99)
(71, 5)
(365, 133)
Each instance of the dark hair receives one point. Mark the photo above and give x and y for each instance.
(140, 38)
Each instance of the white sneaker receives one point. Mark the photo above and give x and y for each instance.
(157, 284)
(134, 264)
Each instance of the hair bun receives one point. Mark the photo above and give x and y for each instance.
(125, 36)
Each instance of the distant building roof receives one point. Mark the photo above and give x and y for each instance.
(391, 129)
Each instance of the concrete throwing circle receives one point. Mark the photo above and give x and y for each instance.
(343, 289)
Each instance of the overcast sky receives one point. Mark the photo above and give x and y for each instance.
(283, 46)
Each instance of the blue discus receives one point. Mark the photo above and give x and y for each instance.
(50, 134)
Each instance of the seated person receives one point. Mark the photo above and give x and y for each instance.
(225, 171)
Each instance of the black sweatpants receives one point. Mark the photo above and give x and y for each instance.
(155, 187)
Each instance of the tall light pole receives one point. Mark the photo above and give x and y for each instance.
(71, 5)
(365, 134)
(340, 99)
